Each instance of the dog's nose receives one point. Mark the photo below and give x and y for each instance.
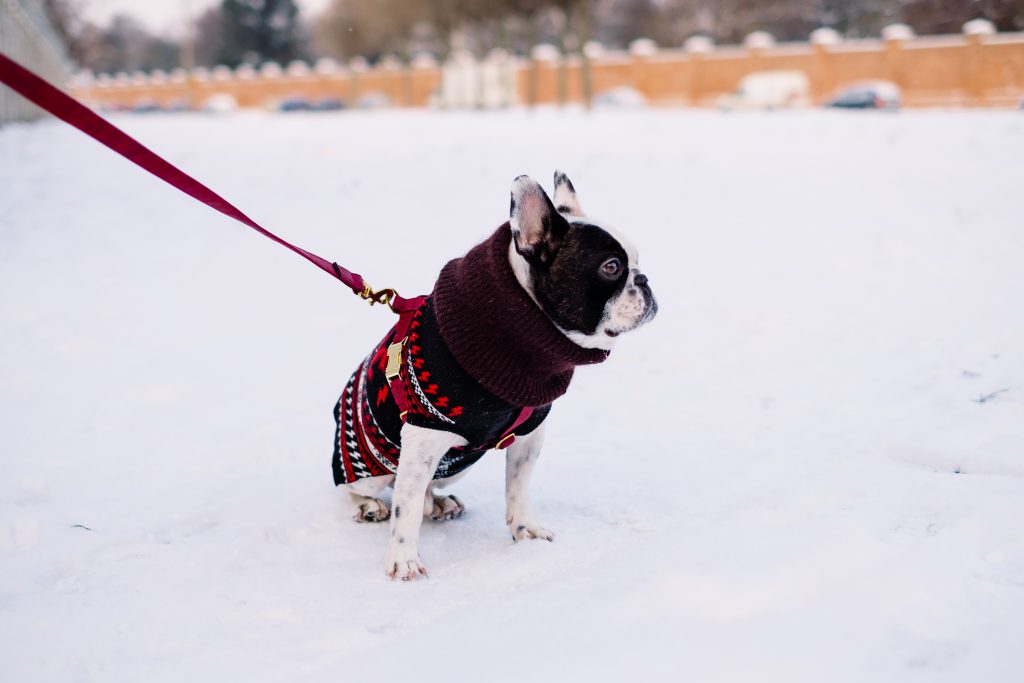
(640, 280)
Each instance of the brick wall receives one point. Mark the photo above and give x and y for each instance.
(976, 68)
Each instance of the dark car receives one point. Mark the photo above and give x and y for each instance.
(868, 95)
(328, 104)
(178, 106)
(294, 104)
(146, 107)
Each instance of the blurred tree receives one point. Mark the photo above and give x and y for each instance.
(528, 11)
(122, 45)
(125, 45)
(948, 16)
(66, 17)
(622, 21)
(208, 37)
(857, 18)
(372, 28)
(581, 13)
(254, 31)
(257, 31)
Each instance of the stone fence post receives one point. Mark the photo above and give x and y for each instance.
(356, 68)
(976, 32)
(640, 52)
(895, 35)
(757, 43)
(822, 74)
(696, 47)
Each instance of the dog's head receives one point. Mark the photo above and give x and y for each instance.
(583, 274)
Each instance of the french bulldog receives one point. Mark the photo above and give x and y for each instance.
(478, 363)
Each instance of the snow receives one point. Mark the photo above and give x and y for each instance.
(790, 475)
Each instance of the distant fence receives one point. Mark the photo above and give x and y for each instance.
(27, 37)
(978, 68)
(389, 82)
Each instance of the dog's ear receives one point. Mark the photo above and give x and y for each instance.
(566, 202)
(537, 228)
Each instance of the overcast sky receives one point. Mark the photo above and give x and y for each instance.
(167, 15)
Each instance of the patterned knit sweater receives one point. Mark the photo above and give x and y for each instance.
(479, 349)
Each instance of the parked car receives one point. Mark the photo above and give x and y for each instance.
(146, 107)
(621, 97)
(220, 103)
(177, 106)
(868, 95)
(374, 100)
(328, 104)
(767, 90)
(294, 104)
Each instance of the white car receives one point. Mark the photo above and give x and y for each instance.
(767, 90)
(623, 96)
(220, 103)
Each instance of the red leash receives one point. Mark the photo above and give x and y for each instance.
(68, 109)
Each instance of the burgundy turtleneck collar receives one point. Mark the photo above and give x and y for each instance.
(498, 334)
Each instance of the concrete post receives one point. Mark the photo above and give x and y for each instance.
(976, 32)
(356, 68)
(895, 35)
(821, 72)
(640, 52)
(757, 43)
(696, 47)
(542, 56)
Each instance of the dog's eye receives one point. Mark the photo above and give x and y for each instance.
(611, 268)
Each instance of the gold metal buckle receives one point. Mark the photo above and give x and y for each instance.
(394, 366)
(502, 440)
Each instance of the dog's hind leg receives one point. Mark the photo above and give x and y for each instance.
(363, 494)
(440, 507)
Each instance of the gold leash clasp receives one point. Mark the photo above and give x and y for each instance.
(381, 296)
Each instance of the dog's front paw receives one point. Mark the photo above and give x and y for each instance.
(402, 566)
(522, 531)
(446, 507)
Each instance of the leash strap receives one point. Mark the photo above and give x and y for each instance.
(71, 111)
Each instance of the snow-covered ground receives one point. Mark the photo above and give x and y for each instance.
(791, 475)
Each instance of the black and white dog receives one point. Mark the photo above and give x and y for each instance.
(485, 354)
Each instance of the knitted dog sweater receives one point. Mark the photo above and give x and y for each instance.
(479, 349)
